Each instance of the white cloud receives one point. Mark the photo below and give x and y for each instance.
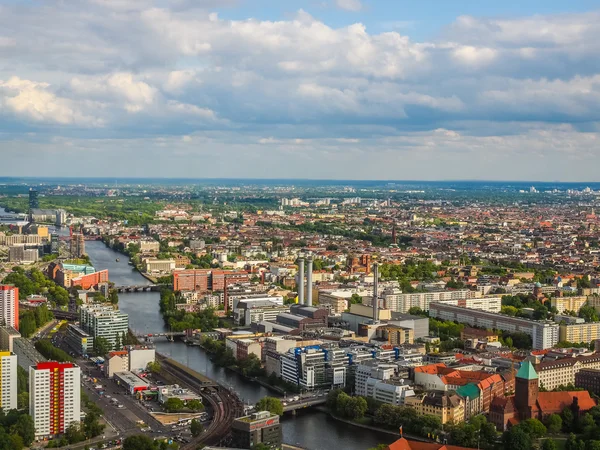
(349, 5)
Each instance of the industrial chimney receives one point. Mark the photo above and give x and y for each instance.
(309, 285)
(301, 281)
(375, 293)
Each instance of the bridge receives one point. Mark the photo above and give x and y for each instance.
(306, 402)
(58, 313)
(138, 288)
(170, 335)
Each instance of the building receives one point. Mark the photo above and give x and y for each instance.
(104, 321)
(399, 302)
(259, 428)
(159, 265)
(380, 381)
(7, 336)
(20, 253)
(91, 280)
(9, 306)
(117, 361)
(54, 397)
(563, 304)
(446, 406)
(131, 382)
(552, 374)
(529, 403)
(580, 332)
(149, 246)
(8, 381)
(544, 334)
(176, 391)
(394, 334)
(405, 444)
(34, 202)
(255, 310)
(77, 246)
(588, 379)
(242, 348)
(79, 340)
(204, 280)
(337, 301)
(140, 356)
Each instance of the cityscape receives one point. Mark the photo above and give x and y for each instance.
(294, 225)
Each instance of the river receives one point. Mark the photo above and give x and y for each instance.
(310, 429)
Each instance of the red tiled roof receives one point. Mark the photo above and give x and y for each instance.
(404, 444)
(557, 401)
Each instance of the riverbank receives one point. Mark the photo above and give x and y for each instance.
(134, 267)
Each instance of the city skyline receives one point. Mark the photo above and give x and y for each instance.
(337, 89)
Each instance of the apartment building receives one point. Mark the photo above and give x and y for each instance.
(553, 374)
(54, 397)
(580, 332)
(337, 301)
(103, 321)
(149, 246)
(544, 334)
(399, 302)
(9, 306)
(588, 379)
(563, 304)
(8, 381)
(446, 406)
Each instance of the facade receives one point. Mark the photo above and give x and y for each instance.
(544, 334)
(7, 337)
(131, 381)
(588, 379)
(563, 304)
(395, 335)
(22, 254)
(79, 340)
(140, 356)
(91, 280)
(8, 381)
(103, 321)
(159, 265)
(378, 380)
(9, 306)
(149, 246)
(205, 280)
(259, 428)
(445, 406)
(580, 332)
(54, 397)
(336, 302)
(117, 361)
(77, 246)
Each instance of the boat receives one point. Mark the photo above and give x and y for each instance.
(117, 260)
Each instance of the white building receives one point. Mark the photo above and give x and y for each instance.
(8, 381)
(9, 306)
(399, 302)
(378, 380)
(104, 321)
(54, 397)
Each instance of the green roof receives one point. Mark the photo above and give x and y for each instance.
(468, 390)
(527, 371)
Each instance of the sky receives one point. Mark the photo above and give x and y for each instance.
(323, 89)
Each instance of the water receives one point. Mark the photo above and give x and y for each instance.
(309, 429)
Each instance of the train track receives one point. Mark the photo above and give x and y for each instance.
(225, 407)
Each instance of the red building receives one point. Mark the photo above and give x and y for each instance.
(205, 280)
(93, 279)
(9, 305)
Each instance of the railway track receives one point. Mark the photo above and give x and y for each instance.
(224, 404)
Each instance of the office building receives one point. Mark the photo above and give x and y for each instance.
(34, 202)
(9, 306)
(79, 340)
(54, 397)
(259, 428)
(380, 381)
(8, 381)
(544, 334)
(104, 321)
(394, 300)
(588, 379)
(20, 253)
(204, 280)
(77, 248)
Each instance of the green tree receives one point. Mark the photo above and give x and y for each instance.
(16, 442)
(554, 424)
(113, 297)
(91, 426)
(101, 346)
(567, 419)
(174, 405)
(356, 408)
(23, 400)
(533, 428)
(24, 427)
(196, 428)
(588, 313)
(27, 324)
(516, 439)
(592, 445)
(573, 443)
(74, 434)
(549, 444)
(138, 442)
(271, 404)
(195, 405)
(118, 343)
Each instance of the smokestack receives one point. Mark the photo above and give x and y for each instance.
(309, 284)
(375, 293)
(301, 281)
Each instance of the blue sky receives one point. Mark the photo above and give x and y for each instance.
(301, 89)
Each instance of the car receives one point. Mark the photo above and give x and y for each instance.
(108, 397)
(120, 406)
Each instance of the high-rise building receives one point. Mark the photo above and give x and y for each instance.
(34, 203)
(77, 245)
(104, 321)
(260, 427)
(9, 306)
(8, 381)
(54, 397)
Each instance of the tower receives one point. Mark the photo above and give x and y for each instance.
(34, 203)
(394, 238)
(526, 390)
(309, 282)
(301, 281)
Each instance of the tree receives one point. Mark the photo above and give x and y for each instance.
(118, 344)
(113, 297)
(91, 426)
(174, 405)
(27, 324)
(516, 439)
(24, 427)
(22, 400)
(554, 424)
(549, 444)
(356, 408)
(416, 311)
(101, 346)
(16, 442)
(588, 313)
(196, 428)
(567, 419)
(573, 443)
(355, 299)
(74, 434)
(533, 428)
(195, 405)
(138, 442)
(271, 404)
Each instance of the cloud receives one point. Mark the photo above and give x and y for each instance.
(135, 70)
(349, 5)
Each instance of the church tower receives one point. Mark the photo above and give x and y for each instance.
(526, 390)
